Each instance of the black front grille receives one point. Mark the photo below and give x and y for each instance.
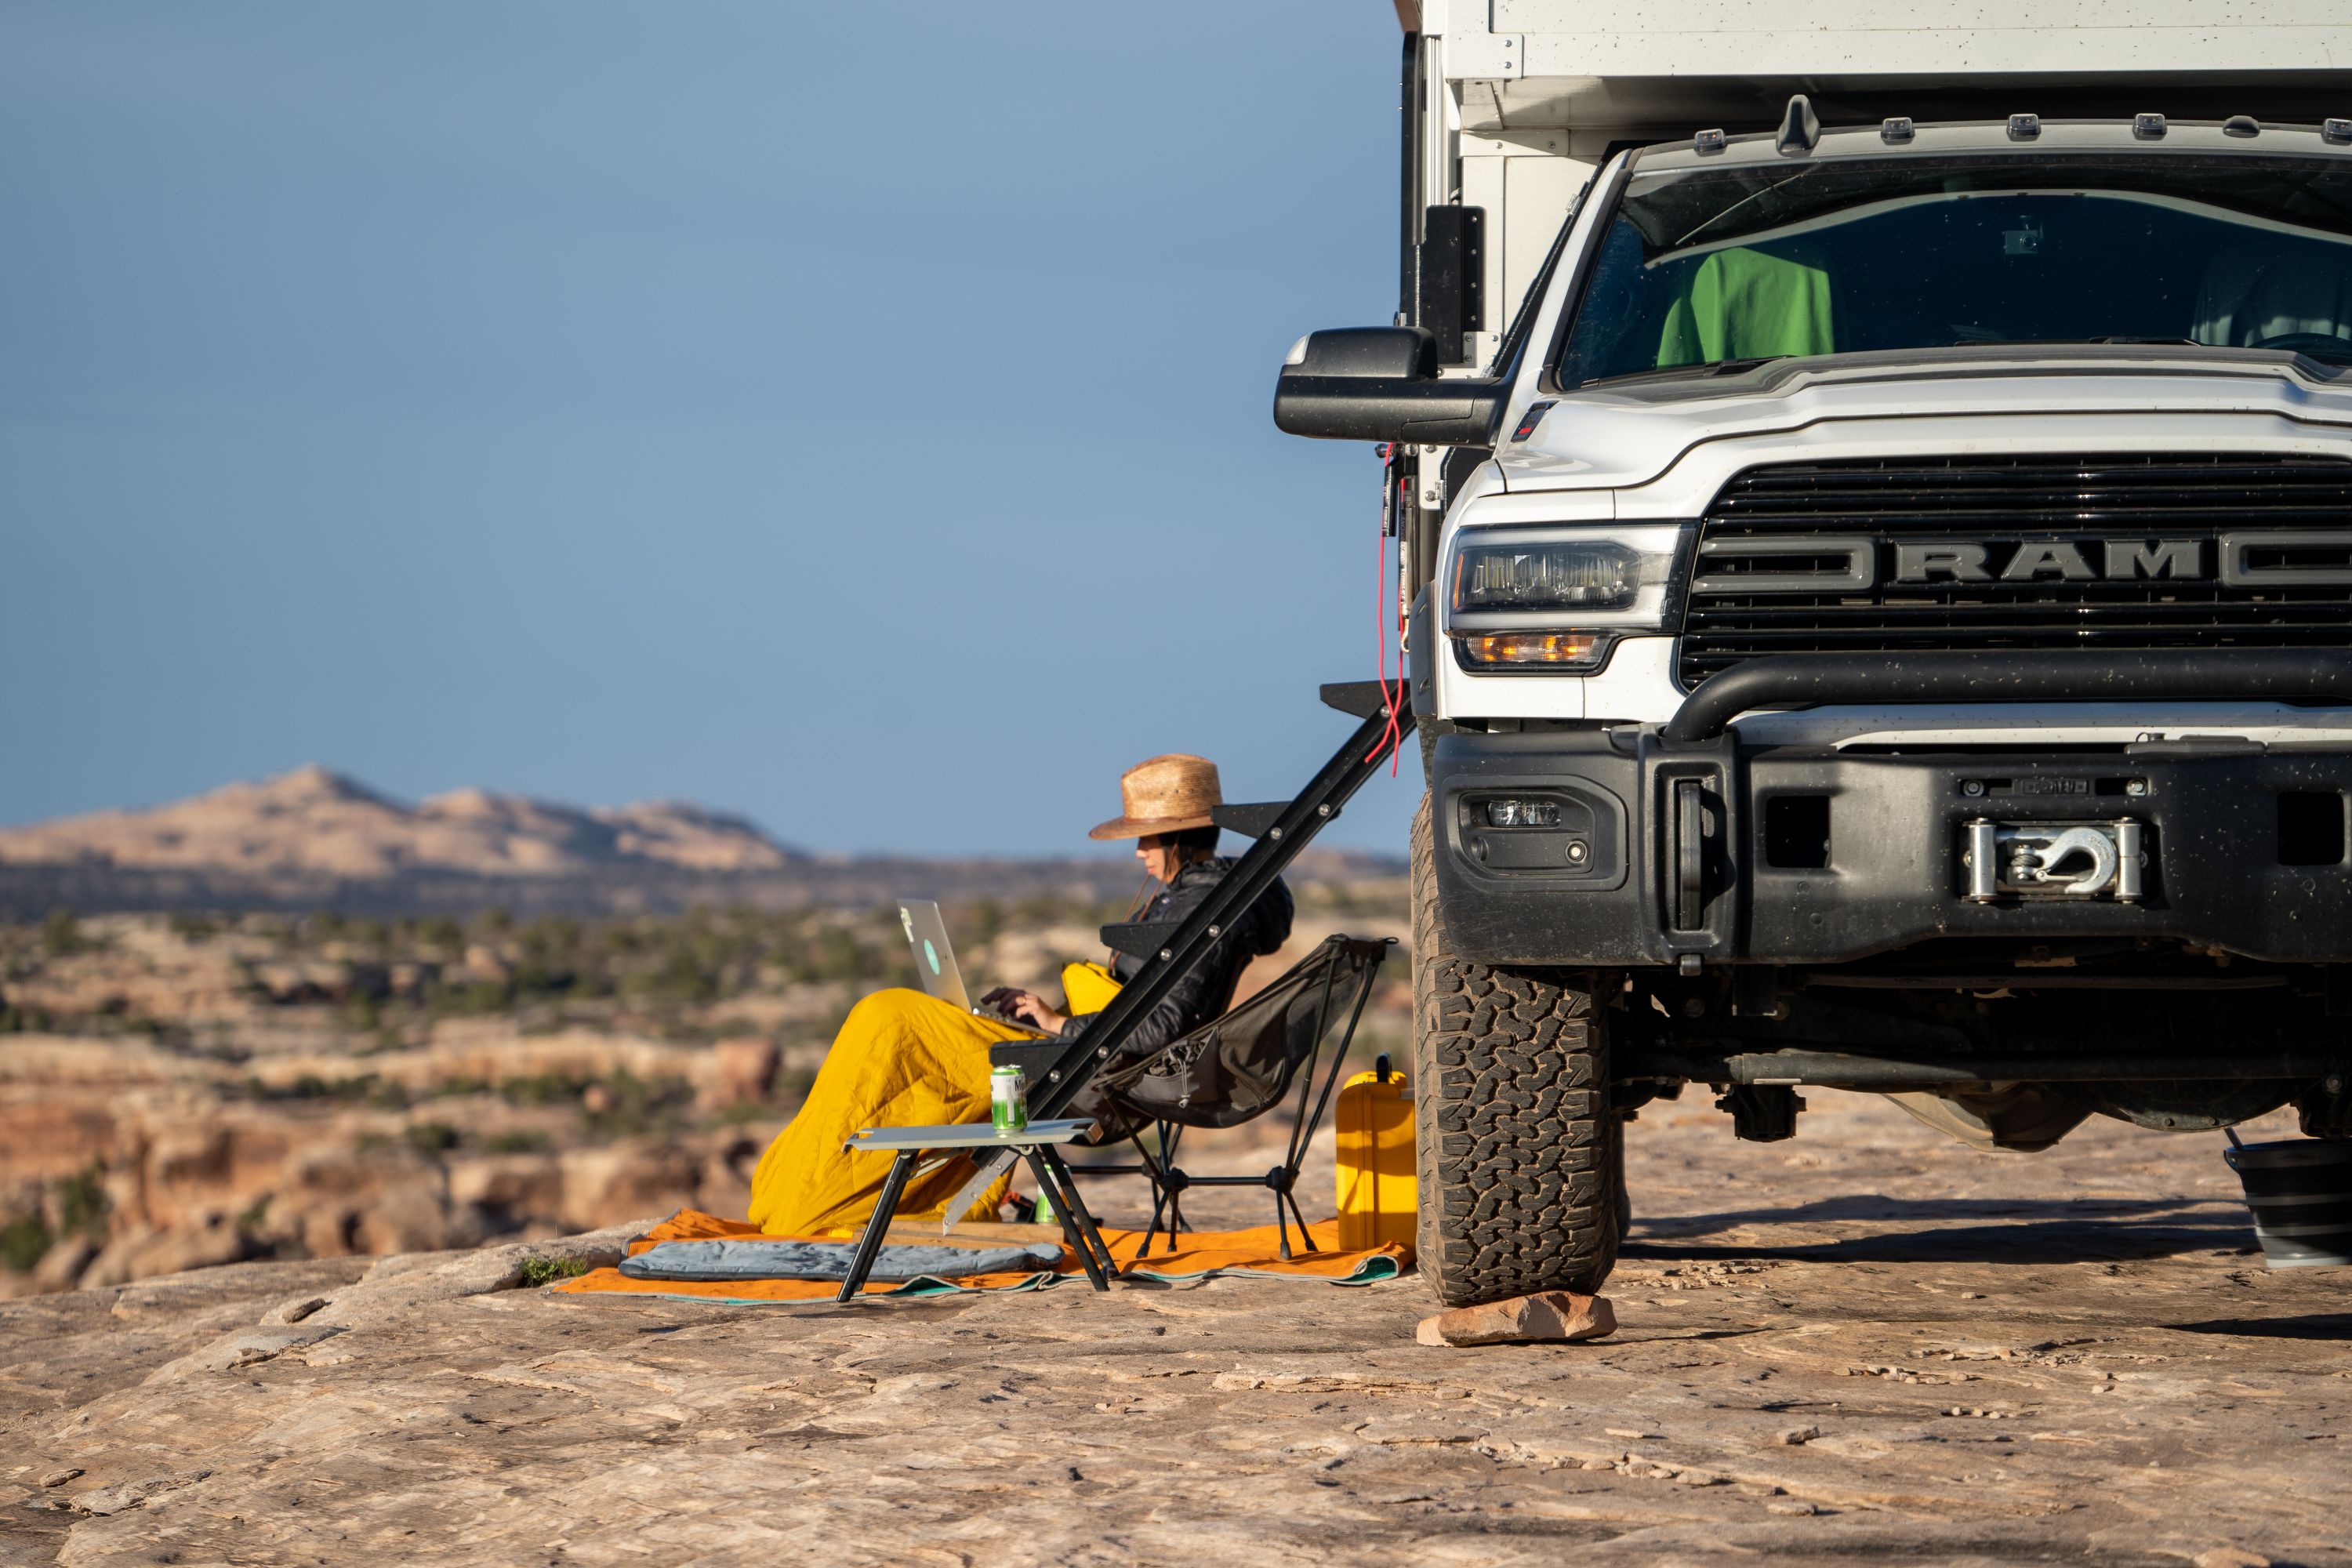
(2119, 552)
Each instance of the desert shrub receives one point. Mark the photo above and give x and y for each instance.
(483, 997)
(439, 934)
(61, 934)
(541, 1089)
(82, 1203)
(520, 1141)
(24, 1241)
(366, 1087)
(431, 1137)
(538, 1271)
(637, 1105)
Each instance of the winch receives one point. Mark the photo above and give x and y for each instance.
(2054, 860)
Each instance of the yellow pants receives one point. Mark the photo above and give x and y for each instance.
(902, 1060)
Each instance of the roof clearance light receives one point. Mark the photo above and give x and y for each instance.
(1897, 129)
(2337, 130)
(2148, 127)
(2024, 127)
(1709, 141)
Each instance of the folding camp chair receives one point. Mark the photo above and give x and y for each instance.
(1234, 1070)
(1169, 951)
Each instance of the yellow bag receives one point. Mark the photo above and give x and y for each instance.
(1379, 1190)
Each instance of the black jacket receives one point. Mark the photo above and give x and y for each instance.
(1207, 989)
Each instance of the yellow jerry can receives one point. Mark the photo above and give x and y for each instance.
(1378, 1188)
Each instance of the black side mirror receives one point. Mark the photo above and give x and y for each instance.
(1380, 384)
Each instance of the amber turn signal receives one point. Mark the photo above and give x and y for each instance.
(1557, 650)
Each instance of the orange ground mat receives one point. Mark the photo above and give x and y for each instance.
(1199, 1253)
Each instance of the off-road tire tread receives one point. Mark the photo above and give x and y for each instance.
(1520, 1161)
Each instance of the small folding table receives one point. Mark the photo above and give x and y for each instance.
(1033, 1143)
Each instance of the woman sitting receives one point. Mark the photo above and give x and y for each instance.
(906, 1059)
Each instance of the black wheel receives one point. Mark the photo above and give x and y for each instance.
(1521, 1164)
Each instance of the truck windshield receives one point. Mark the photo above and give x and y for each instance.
(1729, 266)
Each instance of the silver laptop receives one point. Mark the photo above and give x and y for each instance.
(935, 962)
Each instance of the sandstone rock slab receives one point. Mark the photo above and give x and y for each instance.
(1557, 1316)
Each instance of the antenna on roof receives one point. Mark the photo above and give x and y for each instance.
(1801, 128)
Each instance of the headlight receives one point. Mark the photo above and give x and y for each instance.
(1564, 579)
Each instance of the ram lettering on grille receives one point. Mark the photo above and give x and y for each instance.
(2108, 552)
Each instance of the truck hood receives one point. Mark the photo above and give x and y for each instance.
(1635, 430)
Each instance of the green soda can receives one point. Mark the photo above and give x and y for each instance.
(1008, 1098)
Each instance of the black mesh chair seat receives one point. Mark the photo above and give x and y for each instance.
(1231, 1071)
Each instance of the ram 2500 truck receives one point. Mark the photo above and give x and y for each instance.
(1875, 517)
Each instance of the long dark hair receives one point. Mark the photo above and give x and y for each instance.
(1192, 845)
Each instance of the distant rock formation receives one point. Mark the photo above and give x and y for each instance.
(315, 823)
(314, 838)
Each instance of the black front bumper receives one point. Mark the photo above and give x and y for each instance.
(1665, 852)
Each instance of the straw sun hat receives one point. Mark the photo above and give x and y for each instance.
(1165, 795)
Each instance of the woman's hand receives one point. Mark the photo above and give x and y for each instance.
(1027, 1006)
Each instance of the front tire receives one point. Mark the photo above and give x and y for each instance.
(1521, 1164)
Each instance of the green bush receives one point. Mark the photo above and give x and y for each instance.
(528, 1141)
(541, 1089)
(310, 1086)
(82, 1203)
(638, 1106)
(439, 934)
(24, 1242)
(431, 1137)
(61, 934)
(538, 1271)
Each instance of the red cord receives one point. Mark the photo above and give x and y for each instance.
(1393, 741)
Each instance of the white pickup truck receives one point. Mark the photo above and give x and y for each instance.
(1873, 490)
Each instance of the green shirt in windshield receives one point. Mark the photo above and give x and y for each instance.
(1747, 304)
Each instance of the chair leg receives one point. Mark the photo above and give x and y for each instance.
(1081, 1216)
(886, 1209)
(1171, 1135)
(1160, 1196)
(1062, 1202)
(1305, 1238)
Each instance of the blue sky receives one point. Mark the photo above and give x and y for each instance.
(853, 415)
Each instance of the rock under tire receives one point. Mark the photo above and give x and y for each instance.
(1520, 1160)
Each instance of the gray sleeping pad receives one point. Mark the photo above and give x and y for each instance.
(747, 1258)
